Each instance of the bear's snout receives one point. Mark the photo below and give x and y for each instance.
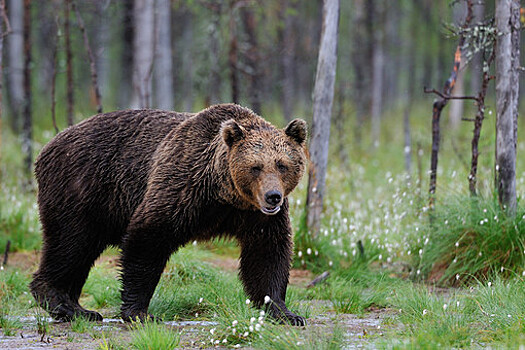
(273, 197)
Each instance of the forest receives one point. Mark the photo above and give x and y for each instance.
(408, 225)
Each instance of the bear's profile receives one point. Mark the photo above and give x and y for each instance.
(150, 181)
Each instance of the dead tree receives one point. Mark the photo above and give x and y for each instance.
(507, 18)
(322, 110)
(439, 104)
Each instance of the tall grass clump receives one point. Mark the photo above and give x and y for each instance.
(151, 335)
(469, 239)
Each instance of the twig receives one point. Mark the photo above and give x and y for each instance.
(92, 66)
(322, 277)
(448, 97)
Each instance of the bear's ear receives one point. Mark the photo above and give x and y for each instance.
(297, 130)
(232, 132)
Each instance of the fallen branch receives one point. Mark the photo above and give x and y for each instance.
(6, 253)
(321, 278)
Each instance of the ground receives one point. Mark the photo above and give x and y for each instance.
(357, 330)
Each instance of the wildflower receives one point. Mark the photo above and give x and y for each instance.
(246, 334)
(445, 307)
(425, 312)
(490, 283)
(457, 244)
(262, 313)
(234, 323)
(250, 328)
(257, 327)
(457, 303)
(212, 331)
(248, 301)
(457, 276)
(234, 331)
(224, 341)
(252, 320)
(299, 253)
(200, 300)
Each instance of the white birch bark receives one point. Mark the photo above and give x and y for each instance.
(322, 110)
(507, 92)
(15, 48)
(163, 61)
(144, 49)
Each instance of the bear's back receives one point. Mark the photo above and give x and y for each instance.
(99, 167)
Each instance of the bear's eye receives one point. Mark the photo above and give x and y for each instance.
(256, 170)
(282, 168)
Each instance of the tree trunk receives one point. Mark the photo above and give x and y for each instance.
(15, 48)
(232, 55)
(287, 61)
(214, 78)
(143, 49)
(3, 32)
(252, 60)
(507, 92)
(187, 61)
(377, 76)
(457, 106)
(360, 62)
(27, 131)
(126, 61)
(164, 60)
(69, 65)
(476, 65)
(322, 110)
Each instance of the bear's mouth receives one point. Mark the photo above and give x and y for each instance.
(271, 210)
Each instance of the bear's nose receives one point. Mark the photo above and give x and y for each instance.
(273, 197)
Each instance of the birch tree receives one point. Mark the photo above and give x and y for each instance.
(15, 48)
(507, 90)
(163, 60)
(143, 48)
(322, 110)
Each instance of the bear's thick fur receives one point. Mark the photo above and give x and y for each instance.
(150, 181)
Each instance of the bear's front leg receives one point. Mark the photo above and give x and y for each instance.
(145, 253)
(265, 267)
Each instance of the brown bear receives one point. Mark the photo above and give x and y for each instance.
(150, 181)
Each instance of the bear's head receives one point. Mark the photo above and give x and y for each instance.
(265, 163)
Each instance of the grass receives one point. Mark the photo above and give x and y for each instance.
(151, 335)
(470, 239)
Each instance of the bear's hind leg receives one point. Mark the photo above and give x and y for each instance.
(63, 270)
